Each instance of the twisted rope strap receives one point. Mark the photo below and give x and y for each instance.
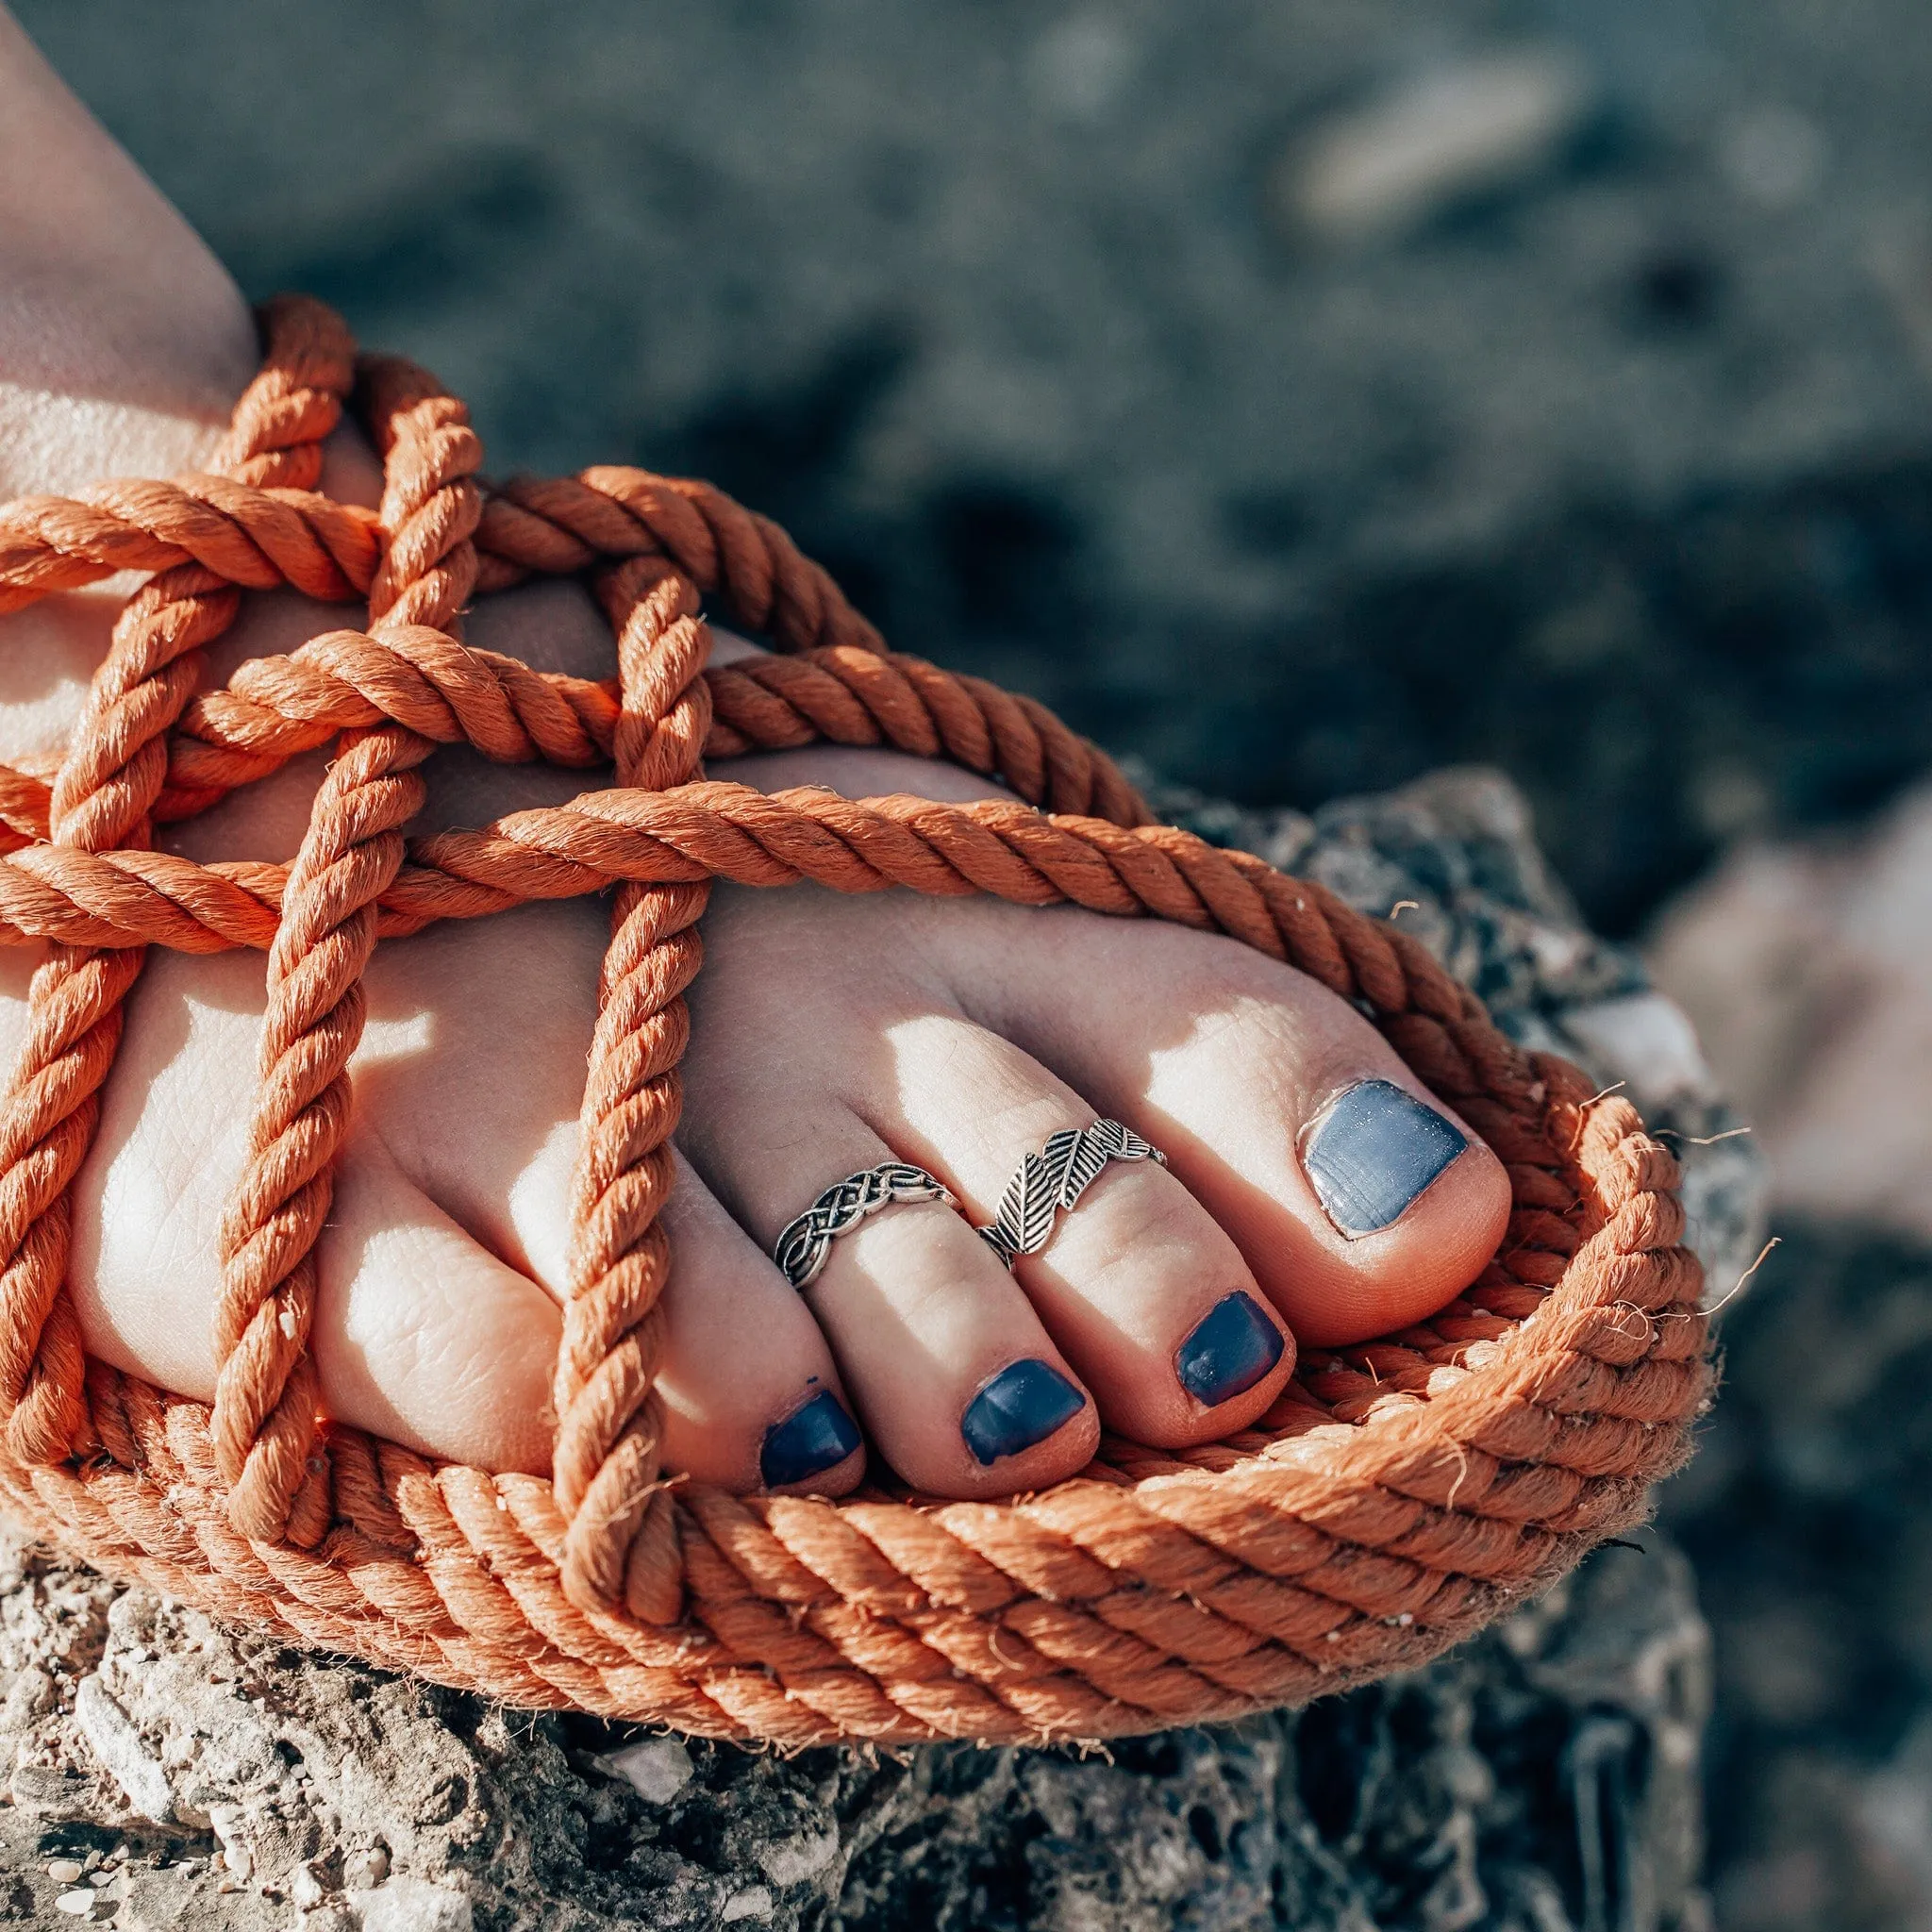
(1398, 1493)
(101, 799)
(264, 1415)
(621, 1546)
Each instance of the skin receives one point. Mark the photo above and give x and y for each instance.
(828, 1032)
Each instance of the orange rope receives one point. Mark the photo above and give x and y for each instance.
(1396, 1496)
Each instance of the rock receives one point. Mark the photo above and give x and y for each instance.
(404, 1905)
(363, 1869)
(48, 1792)
(29, 1697)
(1457, 130)
(1807, 967)
(798, 1859)
(1541, 1775)
(1081, 67)
(656, 1769)
(331, 1918)
(1773, 154)
(1652, 1039)
(118, 1745)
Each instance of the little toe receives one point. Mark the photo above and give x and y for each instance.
(1360, 1201)
(959, 1388)
(752, 1397)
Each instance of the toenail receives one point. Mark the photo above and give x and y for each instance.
(1374, 1152)
(1020, 1407)
(808, 1441)
(1232, 1347)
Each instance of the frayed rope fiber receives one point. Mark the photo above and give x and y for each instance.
(1396, 1497)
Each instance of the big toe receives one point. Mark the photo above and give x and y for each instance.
(1361, 1202)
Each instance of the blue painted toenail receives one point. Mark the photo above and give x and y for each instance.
(808, 1441)
(1232, 1347)
(1376, 1150)
(1020, 1407)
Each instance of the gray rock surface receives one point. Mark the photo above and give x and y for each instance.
(1543, 1777)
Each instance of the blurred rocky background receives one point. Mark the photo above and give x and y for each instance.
(1305, 397)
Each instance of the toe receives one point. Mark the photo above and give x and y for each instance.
(422, 1334)
(1361, 1202)
(752, 1397)
(1138, 1296)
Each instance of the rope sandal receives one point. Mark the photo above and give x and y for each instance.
(1397, 1496)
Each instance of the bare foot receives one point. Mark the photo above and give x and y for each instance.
(1313, 1189)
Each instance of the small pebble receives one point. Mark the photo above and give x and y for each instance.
(97, 1879)
(363, 1871)
(1463, 129)
(64, 1871)
(76, 1905)
(656, 1769)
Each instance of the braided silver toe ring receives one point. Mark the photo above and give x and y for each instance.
(1053, 1180)
(802, 1248)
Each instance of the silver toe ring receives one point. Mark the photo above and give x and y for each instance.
(802, 1248)
(1053, 1180)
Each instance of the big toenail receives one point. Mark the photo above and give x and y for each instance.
(1020, 1407)
(1374, 1152)
(1232, 1347)
(810, 1441)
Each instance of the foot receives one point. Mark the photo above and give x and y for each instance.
(1313, 1189)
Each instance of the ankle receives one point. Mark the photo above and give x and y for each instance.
(123, 342)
